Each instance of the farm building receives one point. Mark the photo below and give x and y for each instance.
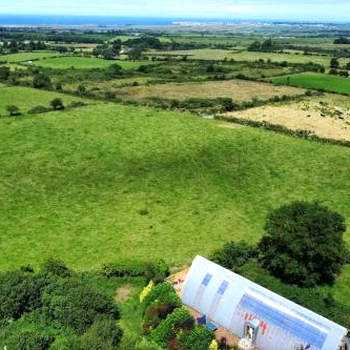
(261, 318)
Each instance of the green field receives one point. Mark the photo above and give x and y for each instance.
(86, 63)
(28, 56)
(79, 182)
(216, 54)
(329, 83)
(27, 98)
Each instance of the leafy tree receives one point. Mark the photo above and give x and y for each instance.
(13, 110)
(334, 63)
(114, 71)
(57, 104)
(304, 244)
(347, 66)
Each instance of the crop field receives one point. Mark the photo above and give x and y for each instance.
(238, 90)
(316, 81)
(26, 98)
(28, 56)
(86, 63)
(318, 115)
(216, 54)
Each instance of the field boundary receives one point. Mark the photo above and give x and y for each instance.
(304, 134)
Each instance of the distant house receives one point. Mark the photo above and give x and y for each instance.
(263, 319)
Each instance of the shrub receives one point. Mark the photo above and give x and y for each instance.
(4, 73)
(200, 338)
(38, 110)
(304, 244)
(13, 110)
(234, 255)
(178, 320)
(57, 104)
(157, 271)
(41, 81)
(19, 293)
(55, 268)
(29, 341)
(76, 104)
(71, 303)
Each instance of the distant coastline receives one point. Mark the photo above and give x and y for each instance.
(114, 21)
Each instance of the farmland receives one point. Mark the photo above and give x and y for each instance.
(316, 81)
(201, 134)
(85, 63)
(238, 90)
(219, 54)
(27, 56)
(26, 98)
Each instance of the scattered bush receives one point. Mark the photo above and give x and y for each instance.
(13, 110)
(57, 104)
(55, 268)
(39, 110)
(304, 244)
(41, 81)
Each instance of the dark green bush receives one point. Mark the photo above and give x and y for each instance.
(234, 255)
(29, 341)
(55, 268)
(74, 305)
(38, 110)
(198, 339)
(156, 271)
(20, 293)
(304, 244)
(169, 328)
(57, 104)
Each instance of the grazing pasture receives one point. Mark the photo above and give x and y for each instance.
(105, 181)
(28, 56)
(218, 54)
(325, 82)
(238, 90)
(26, 98)
(86, 63)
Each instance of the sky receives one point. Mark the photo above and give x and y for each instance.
(312, 10)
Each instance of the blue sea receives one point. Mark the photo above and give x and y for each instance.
(89, 20)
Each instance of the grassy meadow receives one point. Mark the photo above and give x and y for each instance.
(105, 181)
(86, 63)
(326, 82)
(28, 56)
(219, 54)
(26, 98)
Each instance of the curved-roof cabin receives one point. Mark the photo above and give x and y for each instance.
(232, 301)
